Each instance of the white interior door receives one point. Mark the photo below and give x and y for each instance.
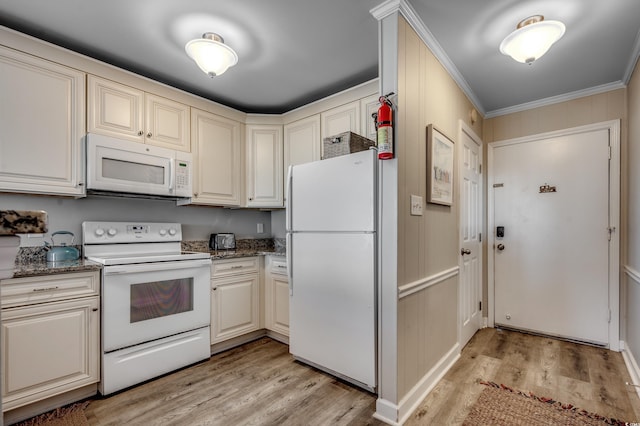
(470, 166)
(551, 258)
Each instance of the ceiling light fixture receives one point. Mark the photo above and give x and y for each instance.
(532, 38)
(211, 54)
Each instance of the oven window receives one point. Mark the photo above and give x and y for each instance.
(160, 299)
(133, 172)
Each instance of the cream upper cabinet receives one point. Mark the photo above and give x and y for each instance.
(217, 178)
(264, 166)
(369, 106)
(124, 112)
(302, 143)
(42, 123)
(345, 118)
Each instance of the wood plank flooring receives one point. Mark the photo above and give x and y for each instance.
(260, 384)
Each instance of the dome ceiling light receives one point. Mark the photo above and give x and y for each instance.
(211, 54)
(532, 39)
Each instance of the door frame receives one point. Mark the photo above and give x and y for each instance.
(613, 127)
(465, 128)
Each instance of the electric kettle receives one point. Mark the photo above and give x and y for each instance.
(61, 252)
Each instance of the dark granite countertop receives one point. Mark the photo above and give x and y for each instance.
(42, 267)
(31, 260)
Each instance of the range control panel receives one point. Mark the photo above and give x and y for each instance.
(130, 232)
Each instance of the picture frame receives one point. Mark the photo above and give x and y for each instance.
(440, 156)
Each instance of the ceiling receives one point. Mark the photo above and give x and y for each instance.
(294, 52)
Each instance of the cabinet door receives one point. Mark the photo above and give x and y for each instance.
(302, 141)
(115, 109)
(345, 118)
(49, 349)
(218, 169)
(277, 303)
(234, 307)
(42, 122)
(264, 166)
(368, 106)
(167, 123)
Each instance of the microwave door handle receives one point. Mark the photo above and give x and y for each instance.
(172, 175)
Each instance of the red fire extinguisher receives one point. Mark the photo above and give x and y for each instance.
(384, 127)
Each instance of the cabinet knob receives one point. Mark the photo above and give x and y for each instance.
(140, 133)
(95, 309)
(250, 198)
(149, 134)
(214, 289)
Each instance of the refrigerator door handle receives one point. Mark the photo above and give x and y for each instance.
(289, 263)
(289, 204)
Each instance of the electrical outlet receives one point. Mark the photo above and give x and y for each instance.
(416, 205)
(260, 228)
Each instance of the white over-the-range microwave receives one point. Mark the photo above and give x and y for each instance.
(121, 167)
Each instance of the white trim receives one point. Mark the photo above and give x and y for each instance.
(635, 53)
(426, 282)
(557, 99)
(386, 411)
(632, 273)
(390, 6)
(419, 392)
(632, 368)
(613, 126)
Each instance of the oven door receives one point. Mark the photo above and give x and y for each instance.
(148, 301)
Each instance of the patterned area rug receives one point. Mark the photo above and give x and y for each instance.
(70, 415)
(499, 405)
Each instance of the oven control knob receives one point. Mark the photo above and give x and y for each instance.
(172, 231)
(99, 232)
(163, 232)
(112, 232)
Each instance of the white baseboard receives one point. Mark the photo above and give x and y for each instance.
(412, 400)
(632, 367)
(393, 414)
(386, 411)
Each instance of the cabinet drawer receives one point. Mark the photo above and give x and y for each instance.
(49, 288)
(278, 265)
(223, 268)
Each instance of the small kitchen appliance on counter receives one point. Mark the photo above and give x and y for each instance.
(156, 301)
(62, 252)
(222, 242)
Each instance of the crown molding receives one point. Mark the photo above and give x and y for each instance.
(557, 99)
(635, 53)
(391, 6)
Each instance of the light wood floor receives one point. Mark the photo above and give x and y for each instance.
(260, 384)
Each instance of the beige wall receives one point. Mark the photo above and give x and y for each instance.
(428, 244)
(630, 278)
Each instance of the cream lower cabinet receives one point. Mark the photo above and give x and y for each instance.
(235, 298)
(276, 295)
(42, 122)
(53, 347)
(217, 149)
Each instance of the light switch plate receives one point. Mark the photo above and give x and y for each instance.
(260, 228)
(416, 205)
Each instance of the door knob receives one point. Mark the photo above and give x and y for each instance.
(465, 251)
(500, 247)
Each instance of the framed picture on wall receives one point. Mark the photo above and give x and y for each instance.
(439, 167)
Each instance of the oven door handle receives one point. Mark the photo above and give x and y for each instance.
(156, 266)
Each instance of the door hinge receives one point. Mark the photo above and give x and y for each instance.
(480, 237)
(609, 320)
(610, 230)
(609, 152)
(479, 169)
(480, 305)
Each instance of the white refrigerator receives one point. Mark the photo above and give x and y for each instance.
(331, 255)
